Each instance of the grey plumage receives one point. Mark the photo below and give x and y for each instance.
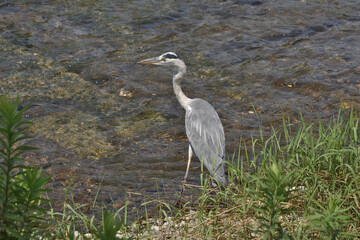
(206, 136)
(203, 126)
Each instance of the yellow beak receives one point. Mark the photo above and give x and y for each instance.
(150, 61)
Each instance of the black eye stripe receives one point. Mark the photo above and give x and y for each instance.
(171, 56)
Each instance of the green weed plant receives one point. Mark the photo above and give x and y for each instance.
(22, 206)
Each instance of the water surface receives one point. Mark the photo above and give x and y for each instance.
(100, 118)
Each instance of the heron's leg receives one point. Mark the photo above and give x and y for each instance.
(187, 169)
(189, 161)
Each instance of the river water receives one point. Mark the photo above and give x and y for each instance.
(100, 119)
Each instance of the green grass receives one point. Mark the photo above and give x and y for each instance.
(302, 182)
(296, 184)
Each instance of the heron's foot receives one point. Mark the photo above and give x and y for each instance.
(183, 186)
(182, 191)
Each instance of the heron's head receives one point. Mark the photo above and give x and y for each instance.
(166, 59)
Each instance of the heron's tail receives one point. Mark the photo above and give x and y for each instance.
(219, 173)
(221, 179)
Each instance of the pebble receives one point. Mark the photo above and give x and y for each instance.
(133, 227)
(77, 235)
(165, 225)
(88, 235)
(155, 228)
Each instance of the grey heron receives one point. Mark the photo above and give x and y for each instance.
(203, 126)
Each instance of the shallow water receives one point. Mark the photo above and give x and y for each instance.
(101, 119)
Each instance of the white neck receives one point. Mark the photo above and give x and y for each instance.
(183, 100)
